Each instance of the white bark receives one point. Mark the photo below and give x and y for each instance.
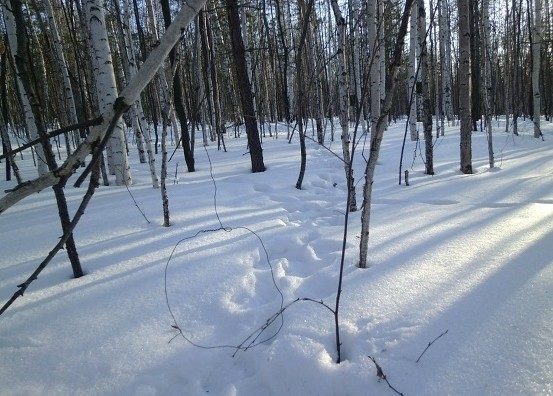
(413, 65)
(343, 89)
(536, 63)
(69, 99)
(126, 98)
(107, 89)
(488, 88)
(355, 33)
(374, 49)
(167, 112)
(382, 49)
(376, 139)
(30, 123)
(139, 119)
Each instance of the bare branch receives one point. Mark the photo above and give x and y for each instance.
(430, 343)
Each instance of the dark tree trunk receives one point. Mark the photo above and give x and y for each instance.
(426, 96)
(301, 88)
(244, 86)
(180, 110)
(476, 64)
(465, 87)
(24, 68)
(285, 59)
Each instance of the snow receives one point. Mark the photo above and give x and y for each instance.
(466, 254)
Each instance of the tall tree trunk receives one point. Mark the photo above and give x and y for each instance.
(536, 64)
(178, 97)
(6, 144)
(107, 88)
(343, 93)
(70, 109)
(305, 11)
(488, 87)
(244, 86)
(475, 63)
(445, 63)
(374, 49)
(29, 84)
(140, 123)
(30, 122)
(413, 65)
(465, 92)
(376, 139)
(355, 37)
(426, 98)
(167, 113)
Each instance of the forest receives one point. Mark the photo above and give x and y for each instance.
(289, 126)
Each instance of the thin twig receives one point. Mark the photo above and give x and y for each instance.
(380, 374)
(430, 343)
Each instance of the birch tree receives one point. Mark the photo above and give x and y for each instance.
(6, 143)
(413, 65)
(107, 88)
(488, 88)
(343, 93)
(374, 49)
(30, 87)
(355, 38)
(376, 139)
(140, 123)
(425, 82)
(536, 65)
(445, 62)
(70, 113)
(30, 122)
(465, 91)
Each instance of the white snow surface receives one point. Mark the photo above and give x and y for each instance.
(466, 254)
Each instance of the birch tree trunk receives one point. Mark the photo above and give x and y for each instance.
(382, 50)
(167, 113)
(7, 148)
(69, 100)
(179, 97)
(139, 119)
(426, 97)
(445, 62)
(343, 93)
(374, 49)
(465, 87)
(6, 143)
(31, 90)
(376, 139)
(488, 87)
(355, 37)
(126, 55)
(536, 65)
(413, 65)
(106, 88)
(30, 123)
(305, 11)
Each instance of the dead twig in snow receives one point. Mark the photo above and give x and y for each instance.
(430, 343)
(380, 374)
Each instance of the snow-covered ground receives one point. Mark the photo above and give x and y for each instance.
(466, 254)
